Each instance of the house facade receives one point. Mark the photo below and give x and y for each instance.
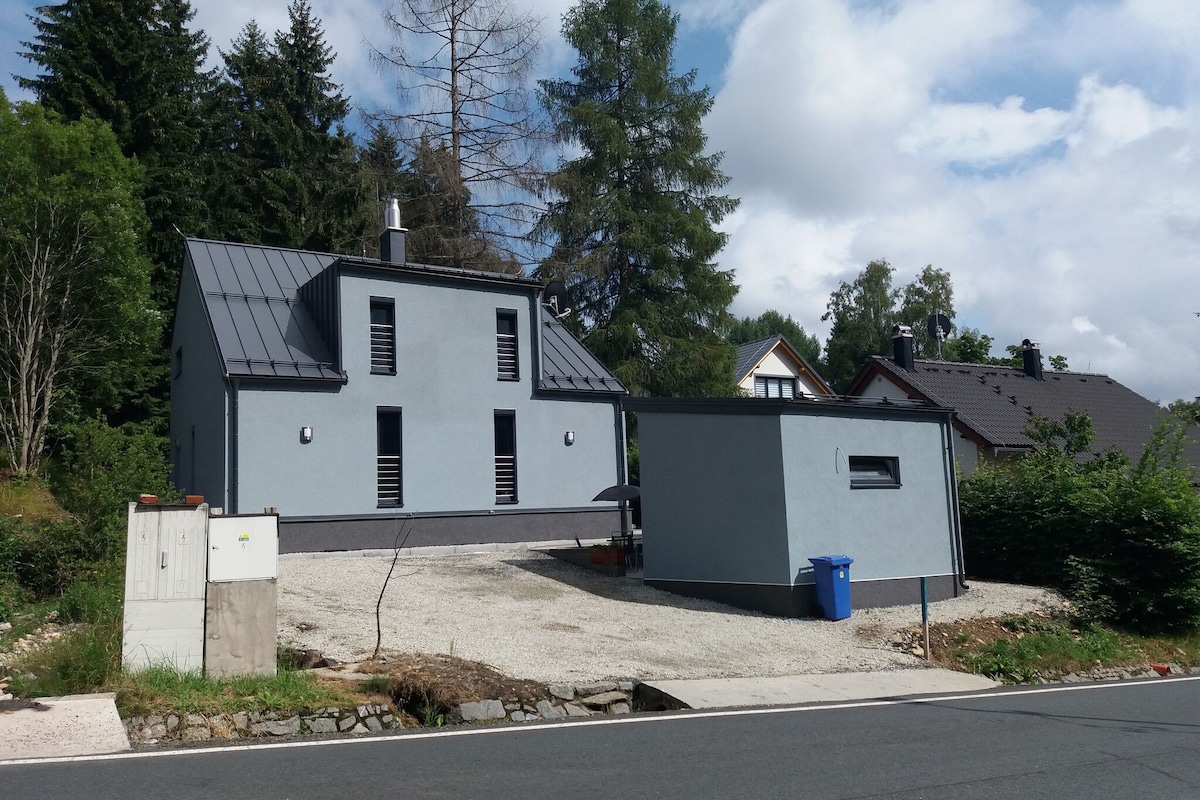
(772, 368)
(738, 494)
(994, 404)
(354, 395)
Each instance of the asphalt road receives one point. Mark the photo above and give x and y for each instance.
(1125, 740)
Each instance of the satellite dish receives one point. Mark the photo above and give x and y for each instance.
(939, 326)
(554, 297)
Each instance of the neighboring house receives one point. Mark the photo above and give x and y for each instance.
(352, 394)
(771, 367)
(994, 404)
(738, 494)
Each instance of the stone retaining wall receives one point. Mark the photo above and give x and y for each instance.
(202, 727)
(566, 700)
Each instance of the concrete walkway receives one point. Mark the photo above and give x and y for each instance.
(78, 725)
(819, 688)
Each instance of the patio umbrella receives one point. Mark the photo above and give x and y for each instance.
(622, 493)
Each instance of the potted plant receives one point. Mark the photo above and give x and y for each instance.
(609, 554)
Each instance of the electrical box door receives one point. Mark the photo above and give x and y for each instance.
(243, 547)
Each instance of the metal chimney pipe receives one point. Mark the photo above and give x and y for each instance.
(391, 241)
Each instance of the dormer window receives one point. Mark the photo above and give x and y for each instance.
(775, 387)
(506, 345)
(383, 336)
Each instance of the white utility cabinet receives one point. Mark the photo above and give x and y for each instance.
(240, 610)
(243, 547)
(165, 586)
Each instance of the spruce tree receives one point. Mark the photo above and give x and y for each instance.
(631, 220)
(136, 66)
(289, 179)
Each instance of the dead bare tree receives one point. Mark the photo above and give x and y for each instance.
(462, 72)
(75, 306)
(402, 535)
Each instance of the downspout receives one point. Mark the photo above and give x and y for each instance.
(622, 464)
(233, 446)
(955, 521)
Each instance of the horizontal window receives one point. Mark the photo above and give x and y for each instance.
(874, 472)
(784, 388)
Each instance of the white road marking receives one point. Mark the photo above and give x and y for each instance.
(632, 719)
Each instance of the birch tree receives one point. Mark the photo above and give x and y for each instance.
(75, 299)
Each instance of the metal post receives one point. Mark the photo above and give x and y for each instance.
(925, 615)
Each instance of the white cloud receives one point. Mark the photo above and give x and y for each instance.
(899, 132)
(982, 134)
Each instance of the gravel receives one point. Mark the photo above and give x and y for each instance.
(535, 617)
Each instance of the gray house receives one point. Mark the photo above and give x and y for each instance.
(352, 394)
(738, 494)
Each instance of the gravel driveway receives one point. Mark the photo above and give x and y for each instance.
(532, 616)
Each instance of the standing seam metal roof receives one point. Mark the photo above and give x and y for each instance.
(264, 329)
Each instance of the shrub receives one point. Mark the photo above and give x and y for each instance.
(1122, 541)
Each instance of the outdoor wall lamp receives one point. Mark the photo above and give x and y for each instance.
(569, 438)
(306, 434)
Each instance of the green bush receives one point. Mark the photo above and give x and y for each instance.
(44, 557)
(1122, 541)
(103, 468)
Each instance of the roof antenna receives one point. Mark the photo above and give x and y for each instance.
(554, 297)
(939, 329)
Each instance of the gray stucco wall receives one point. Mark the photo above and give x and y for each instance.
(966, 452)
(447, 389)
(198, 409)
(713, 499)
(890, 533)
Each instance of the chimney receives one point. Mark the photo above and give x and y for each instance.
(902, 347)
(1032, 355)
(391, 241)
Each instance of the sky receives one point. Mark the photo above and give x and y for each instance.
(1045, 154)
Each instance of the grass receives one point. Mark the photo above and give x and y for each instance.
(88, 659)
(1030, 647)
(28, 497)
(161, 690)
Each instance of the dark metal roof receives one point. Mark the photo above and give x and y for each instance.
(262, 328)
(813, 406)
(568, 366)
(749, 355)
(996, 403)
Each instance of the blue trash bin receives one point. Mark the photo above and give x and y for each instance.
(832, 577)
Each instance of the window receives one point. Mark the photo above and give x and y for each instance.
(506, 345)
(775, 387)
(874, 472)
(383, 336)
(506, 457)
(179, 361)
(387, 460)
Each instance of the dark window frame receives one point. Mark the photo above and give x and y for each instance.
(388, 305)
(508, 346)
(381, 412)
(179, 361)
(511, 497)
(781, 381)
(874, 472)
